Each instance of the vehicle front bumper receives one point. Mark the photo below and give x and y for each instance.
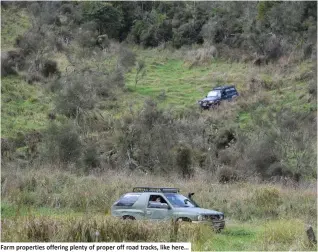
(207, 105)
(216, 224)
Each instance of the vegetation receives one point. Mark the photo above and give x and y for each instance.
(98, 97)
(55, 203)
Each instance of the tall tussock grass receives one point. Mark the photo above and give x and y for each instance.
(272, 235)
(289, 234)
(242, 201)
(99, 229)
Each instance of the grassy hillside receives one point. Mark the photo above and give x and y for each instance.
(169, 80)
(170, 83)
(14, 22)
(253, 159)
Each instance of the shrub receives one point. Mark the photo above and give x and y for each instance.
(116, 79)
(62, 143)
(262, 155)
(312, 88)
(32, 77)
(7, 66)
(126, 58)
(11, 62)
(67, 8)
(267, 201)
(87, 35)
(184, 160)
(49, 68)
(224, 138)
(91, 157)
(201, 56)
(226, 174)
(77, 96)
(30, 42)
(288, 233)
(103, 41)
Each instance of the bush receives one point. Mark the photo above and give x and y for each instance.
(7, 66)
(49, 68)
(226, 174)
(102, 41)
(126, 58)
(62, 143)
(224, 138)
(201, 56)
(267, 201)
(11, 62)
(32, 77)
(67, 8)
(262, 154)
(30, 42)
(77, 96)
(87, 35)
(184, 160)
(91, 157)
(312, 88)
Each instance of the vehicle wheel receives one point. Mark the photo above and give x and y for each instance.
(217, 230)
(128, 217)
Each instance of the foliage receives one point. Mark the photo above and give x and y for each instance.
(107, 17)
(77, 96)
(62, 143)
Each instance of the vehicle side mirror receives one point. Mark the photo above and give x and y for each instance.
(190, 195)
(165, 206)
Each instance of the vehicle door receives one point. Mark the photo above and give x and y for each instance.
(157, 208)
(229, 93)
(224, 94)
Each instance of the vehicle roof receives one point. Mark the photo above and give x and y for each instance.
(224, 87)
(156, 189)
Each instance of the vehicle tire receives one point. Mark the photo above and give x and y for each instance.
(217, 230)
(128, 217)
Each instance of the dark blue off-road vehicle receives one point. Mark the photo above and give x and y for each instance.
(217, 95)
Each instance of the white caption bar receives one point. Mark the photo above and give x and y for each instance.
(98, 247)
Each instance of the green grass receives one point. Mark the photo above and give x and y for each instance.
(9, 211)
(233, 238)
(14, 22)
(183, 86)
(169, 82)
(24, 107)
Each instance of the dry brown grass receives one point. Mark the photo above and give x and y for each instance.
(200, 56)
(99, 229)
(95, 193)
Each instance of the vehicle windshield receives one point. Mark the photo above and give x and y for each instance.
(178, 200)
(214, 94)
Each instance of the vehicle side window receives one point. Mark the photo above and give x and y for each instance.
(127, 200)
(155, 199)
(230, 91)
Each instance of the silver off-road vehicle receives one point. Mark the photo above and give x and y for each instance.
(164, 204)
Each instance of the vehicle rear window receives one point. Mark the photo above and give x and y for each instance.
(128, 199)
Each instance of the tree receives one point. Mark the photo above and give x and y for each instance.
(140, 71)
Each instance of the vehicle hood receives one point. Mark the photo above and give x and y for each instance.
(210, 99)
(197, 210)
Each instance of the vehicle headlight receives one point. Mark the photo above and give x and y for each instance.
(210, 102)
(200, 217)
